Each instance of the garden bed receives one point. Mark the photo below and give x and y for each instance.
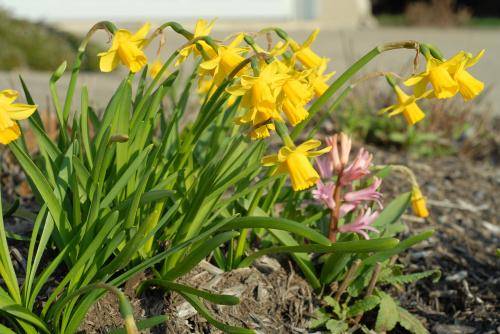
(463, 197)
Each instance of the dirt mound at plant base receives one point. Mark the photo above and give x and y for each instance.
(273, 300)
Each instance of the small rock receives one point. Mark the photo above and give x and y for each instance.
(267, 265)
(453, 329)
(457, 277)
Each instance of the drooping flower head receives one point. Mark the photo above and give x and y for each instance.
(295, 93)
(295, 162)
(305, 55)
(225, 60)
(202, 28)
(418, 203)
(259, 99)
(407, 105)
(126, 48)
(437, 74)
(468, 86)
(11, 112)
(318, 78)
(155, 68)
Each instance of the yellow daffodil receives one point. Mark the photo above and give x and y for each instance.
(407, 106)
(225, 61)
(294, 95)
(318, 79)
(127, 49)
(202, 28)
(305, 55)
(11, 112)
(155, 68)
(440, 78)
(295, 162)
(259, 98)
(418, 204)
(468, 86)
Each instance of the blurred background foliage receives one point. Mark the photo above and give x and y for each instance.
(25, 44)
(438, 12)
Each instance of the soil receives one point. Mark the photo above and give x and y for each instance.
(463, 198)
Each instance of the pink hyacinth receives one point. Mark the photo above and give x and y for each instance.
(369, 193)
(341, 147)
(324, 194)
(325, 166)
(359, 168)
(362, 224)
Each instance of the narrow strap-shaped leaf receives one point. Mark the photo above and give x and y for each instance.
(169, 285)
(360, 246)
(143, 324)
(124, 178)
(84, 126)
(202, 310)
(45, 190)
(278, 224)
(199, 253)
(6, 268)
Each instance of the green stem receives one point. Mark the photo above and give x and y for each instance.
(104, 25)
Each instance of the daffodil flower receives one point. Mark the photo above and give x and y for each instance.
(225, 61)
(295, 92)
(418, 204)
(127, 49)
(407, 106)
(318, 79)
(155, 68)
(295, 162)
(469, 87)
(437, 73)
(202, 28)
(259, 98)
(11, 112)
(305, 55)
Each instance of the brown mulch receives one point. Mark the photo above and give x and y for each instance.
(463, 198)
(273, 300)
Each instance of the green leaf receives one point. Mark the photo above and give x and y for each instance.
(211, 297)
(336, 326)
(45, 190)
(6, 330)
(363, 305)
(334, 304)
(143, 324)
(388, 315)
(410, 322)
(410, 278)
(202, 310)
(402, 246)
(391, 214)
(278, 224)
(195, 256)
(359, 246)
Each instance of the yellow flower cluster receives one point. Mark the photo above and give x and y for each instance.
(280, 82)
(445, 77)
